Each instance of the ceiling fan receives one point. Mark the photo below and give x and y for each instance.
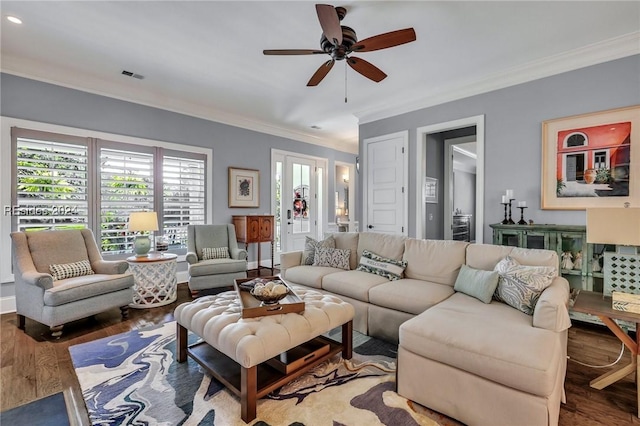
(340, 42)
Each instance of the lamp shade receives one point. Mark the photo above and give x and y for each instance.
(619, 226)
(143, 221)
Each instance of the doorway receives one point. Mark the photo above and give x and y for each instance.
(431, 218)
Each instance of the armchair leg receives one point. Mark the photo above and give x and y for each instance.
(21, 322)
(124, 310)
(56, 331)
(194, 294)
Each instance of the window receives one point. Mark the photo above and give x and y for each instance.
(57, 187)
(51, 184)
(600, 160)
(575, 139)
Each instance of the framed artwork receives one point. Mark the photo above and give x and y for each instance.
(591, 160)
(431, 190)
(244, 187)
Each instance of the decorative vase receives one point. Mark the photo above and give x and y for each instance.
(590, 176)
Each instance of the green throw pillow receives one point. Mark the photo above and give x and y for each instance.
(477, 283)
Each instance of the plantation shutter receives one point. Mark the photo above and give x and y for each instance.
(126, 185)
(50, 188)
(183, 196)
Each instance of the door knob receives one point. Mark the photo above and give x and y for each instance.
(289, 223)
(370, 226)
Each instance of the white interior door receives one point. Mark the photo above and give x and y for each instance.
(386, 170)
(299, 202)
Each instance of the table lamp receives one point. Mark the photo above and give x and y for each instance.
(142, 222)
(619, 226)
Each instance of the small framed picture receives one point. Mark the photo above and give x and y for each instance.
(431, 190)
(244, 187)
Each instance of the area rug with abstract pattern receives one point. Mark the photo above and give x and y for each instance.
(134, 378)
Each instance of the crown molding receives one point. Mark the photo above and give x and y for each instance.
(67, 78)
(596, 53)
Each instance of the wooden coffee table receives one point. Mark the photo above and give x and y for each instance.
(589, 302)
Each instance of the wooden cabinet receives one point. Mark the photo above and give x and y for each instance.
(461, 227)
(255, 229)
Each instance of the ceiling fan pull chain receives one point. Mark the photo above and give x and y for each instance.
(345, 82)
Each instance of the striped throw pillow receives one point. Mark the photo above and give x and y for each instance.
(215, 253)
(69, 270)
(375, 264)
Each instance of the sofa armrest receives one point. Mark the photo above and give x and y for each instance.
(238, 253)
(290, 259)
(192, 258)
(551, 311)
(40, 279)
(110, 267)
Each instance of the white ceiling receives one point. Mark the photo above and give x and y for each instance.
(204, 58)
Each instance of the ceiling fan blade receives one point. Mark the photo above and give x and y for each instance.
(330, 23)
(321, 73)
(386, 40)
(292, 52)
(366, 69)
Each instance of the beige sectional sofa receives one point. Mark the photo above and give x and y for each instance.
(483, 364)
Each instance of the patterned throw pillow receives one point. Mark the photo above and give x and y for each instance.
(375, 264)
(215, 253)
(521, 286)
(336, 258)
(310, 246)
(69, 270)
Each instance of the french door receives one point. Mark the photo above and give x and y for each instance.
(299, 206)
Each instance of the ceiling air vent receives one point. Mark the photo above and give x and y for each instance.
(132, 74)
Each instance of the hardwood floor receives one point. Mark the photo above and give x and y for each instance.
(34, 365)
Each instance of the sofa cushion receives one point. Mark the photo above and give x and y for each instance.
(310, 246)
(493, 341)
(335, 258)
(215, 253)
(385, 245)
(520, 286)
(70, 270)
(434, 260)
(311, 276)
(385, 267)
(217, 266)
(45, 248)
(347, 241)
(354, 284)
(477, 283)
(409, 295)
(78, 288)
(487, 256)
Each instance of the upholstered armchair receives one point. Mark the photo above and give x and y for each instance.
(214, 257)
(60, 276)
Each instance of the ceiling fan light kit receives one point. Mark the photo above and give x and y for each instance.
(340, 41)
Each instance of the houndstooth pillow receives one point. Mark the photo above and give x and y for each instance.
(520, 286)
(215, 253)
(69, 270)
(336, 258)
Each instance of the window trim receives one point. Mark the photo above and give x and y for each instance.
(7, 172)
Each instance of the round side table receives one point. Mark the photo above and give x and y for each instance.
(155, 279)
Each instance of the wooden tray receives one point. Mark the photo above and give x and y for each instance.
(251, 306)
(300, 356)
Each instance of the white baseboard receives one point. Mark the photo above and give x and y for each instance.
(7, 304)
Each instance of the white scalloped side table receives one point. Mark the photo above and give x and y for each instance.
(155, 279)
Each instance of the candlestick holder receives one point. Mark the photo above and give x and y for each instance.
(505, 221)
(510, 221)
(522, 221)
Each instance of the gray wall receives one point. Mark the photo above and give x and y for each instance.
(232, 146)
(434, 168)
(513, 123)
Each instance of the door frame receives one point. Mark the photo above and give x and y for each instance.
(405, 177)
(277, 155)
(421, 169)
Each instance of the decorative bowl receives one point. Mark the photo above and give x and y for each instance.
(272, 299)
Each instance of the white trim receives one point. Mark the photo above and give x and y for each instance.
(603, 51)
(404, 134)
(7, 304)
(352, 191)
(6, 123)
(421, 133)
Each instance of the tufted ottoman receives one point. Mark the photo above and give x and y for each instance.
(234, 349)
